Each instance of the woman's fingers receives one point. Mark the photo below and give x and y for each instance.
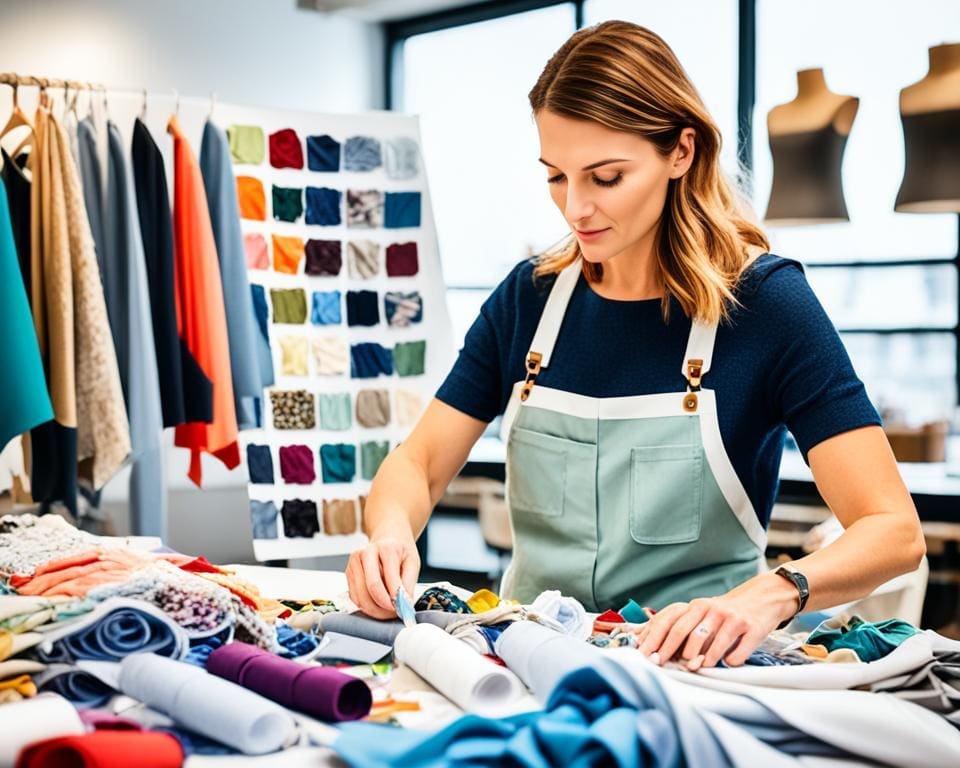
(659, 626)
(681, 629)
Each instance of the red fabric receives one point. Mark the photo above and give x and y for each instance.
(199, 565)
(402, 260)
(610, 616)
(201, 317)
(104, 749)
(285, 149)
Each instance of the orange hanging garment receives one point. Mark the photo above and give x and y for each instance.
(201, 319)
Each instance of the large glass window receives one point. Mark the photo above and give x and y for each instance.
(469, 84)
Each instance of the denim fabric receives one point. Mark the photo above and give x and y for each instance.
(402, 309)
(323, 154)
(338, 463)
(402, 260)
(263, 519)
(287, 203)
(335, 412)
(402, 209)
(408, 357)
(300, 518)
(402, 158)
(364, 208)
(286, 151)
(296, 464)
(372, 455)
(326, 308)
(369, 360)
(361, 153)
(324, 258)
(362, 308)
(323, 206)
(373, 408)
(260, 464)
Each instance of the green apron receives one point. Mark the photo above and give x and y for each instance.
(622, 498)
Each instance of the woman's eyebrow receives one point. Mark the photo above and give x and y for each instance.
(592, 165)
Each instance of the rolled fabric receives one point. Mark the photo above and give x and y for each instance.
(42, 717)
(76, 685)
(471, 681)
(568, 613)
(319, 691)
(207, 704)
(113, 630)
(540, 656)
(384, 632)
(104, 749)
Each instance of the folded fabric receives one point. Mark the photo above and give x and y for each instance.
(402, 309)
(326, 308)
(441, 599)
(294, 643)
(568, 613)
(43, 717)
(77, 574)
(207, 704)
(377, 630)
(364, 208)
(76, 685)
(251, 198)
(323, 206)
(337, 647)
(323, 154)
(246, 143)
(13, 644)
(368, 360)
(287, 203)
(324, 258)
(361, 153)
(402, 209)
(402, 260)
(285, 149)
(483, 600)
(319, 691)
(402, 158)
(22, 685)
(363, 259)
(114, 629)
(479, 685)
(870, 641)
(339, 517)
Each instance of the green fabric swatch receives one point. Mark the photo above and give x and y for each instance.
(287, 203)
(408, 357)
(335, 411)
(372, 455)
(246, 144)
(289, 305)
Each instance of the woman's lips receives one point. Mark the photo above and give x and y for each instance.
(590, 234)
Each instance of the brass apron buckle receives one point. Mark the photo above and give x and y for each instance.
(533, 368)
(694, 374)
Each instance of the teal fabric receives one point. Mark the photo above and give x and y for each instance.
(24, 401)
(633, 613)
(335, 412)
(338, 462)
(870, 641)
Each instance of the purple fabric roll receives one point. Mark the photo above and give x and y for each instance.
(319, 691)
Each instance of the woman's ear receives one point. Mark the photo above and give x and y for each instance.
(683, 153)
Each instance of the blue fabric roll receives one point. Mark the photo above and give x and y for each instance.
(323, 154)
(402, 209)
(369, 360)
(77, 686)
(323, 206)
(361, 153)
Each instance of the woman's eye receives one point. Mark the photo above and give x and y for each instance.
(608, 182)
(555, 179)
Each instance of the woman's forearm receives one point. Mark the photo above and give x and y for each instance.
(400, 498)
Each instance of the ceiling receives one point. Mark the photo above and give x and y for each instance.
(380, 10)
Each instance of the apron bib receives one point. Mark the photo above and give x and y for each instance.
(622, 498)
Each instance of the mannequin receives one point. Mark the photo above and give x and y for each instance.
(807, 139)
(930, 113)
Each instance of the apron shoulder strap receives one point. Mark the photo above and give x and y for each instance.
(699, 354)
(549, 326)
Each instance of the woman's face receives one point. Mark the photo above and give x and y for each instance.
(609, 185)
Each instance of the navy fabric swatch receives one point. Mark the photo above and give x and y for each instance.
(323, 154)
(323, 206)
(369, 360)
(260, 464)
(778, 364)
(362, 308)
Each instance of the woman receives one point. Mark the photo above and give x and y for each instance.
(648, 370)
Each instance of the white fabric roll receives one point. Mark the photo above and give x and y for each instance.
(207, 704)
(43, 717)
(473, 683)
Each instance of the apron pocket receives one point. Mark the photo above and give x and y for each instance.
(538, 478)
(665, 494)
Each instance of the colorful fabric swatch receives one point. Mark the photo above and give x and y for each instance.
(293, 355)
(296, 464)
(332, 356)
(324, 258)
(285, 149)
(372, 455)
(339, 517)
(363, 259)
(361, 153)
(338, 463)
(373, 408)
(289, 304)
(364, 208)
(408, 357)
(293, 409)
(287, 253)
(263, 519)
(335, 412)
(260, 464)
(408, 407)
(402, 309)
(323, 206)
(402, 260)
(300, 518)
(402, 209)
(362, 308)
(323, 154)
(251, 198)
(402, 158)
(369, 360)
(287, 203)
(247, 145)
(326, 308)
(255, 247)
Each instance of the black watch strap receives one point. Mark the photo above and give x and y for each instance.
(803, 590)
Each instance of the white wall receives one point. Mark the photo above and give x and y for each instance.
(250, 52)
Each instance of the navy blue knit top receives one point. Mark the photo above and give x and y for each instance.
(778, 363)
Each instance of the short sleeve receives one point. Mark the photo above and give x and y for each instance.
(813, 387)
(473, 385)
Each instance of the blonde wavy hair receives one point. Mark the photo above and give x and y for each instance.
(625, 77)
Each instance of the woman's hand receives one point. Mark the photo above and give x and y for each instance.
(376, 572)
(728, 627)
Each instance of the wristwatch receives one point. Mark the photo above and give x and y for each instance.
(803, 590)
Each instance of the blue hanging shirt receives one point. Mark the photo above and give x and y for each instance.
(778, 363)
